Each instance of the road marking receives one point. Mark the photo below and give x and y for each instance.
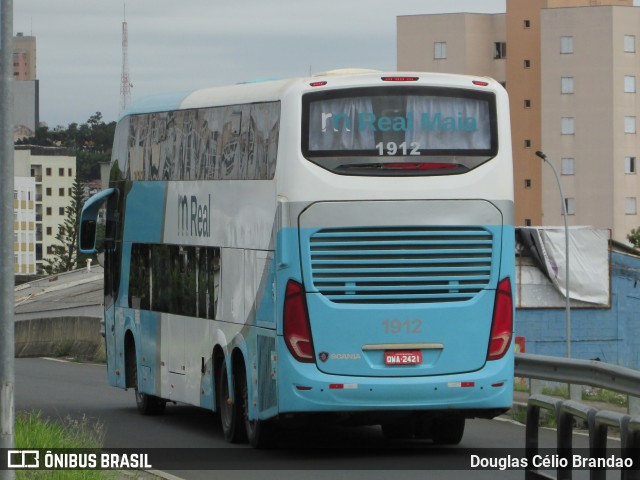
(55, 359)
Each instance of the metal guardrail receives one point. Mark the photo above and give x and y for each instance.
(582, 372)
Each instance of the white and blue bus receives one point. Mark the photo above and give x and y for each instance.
(338, 244)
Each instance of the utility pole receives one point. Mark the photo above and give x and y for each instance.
(7, 348)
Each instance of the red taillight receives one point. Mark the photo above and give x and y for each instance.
(480, 83)
(400, 79)
(502, 326)
(318, 84)
(297, 333)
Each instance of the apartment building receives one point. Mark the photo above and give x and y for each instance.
(26, 110)
(570, 67)
(24, 225)
(53, 172)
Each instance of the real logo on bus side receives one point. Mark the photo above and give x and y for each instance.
(194, 216)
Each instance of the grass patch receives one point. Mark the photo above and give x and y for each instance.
(602, 395)
(559, 391)
(34, 431)
(547, 417)
(520, 387)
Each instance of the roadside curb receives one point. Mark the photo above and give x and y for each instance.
(146, 475)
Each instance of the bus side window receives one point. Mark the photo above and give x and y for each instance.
(140, 277)
(208, 282)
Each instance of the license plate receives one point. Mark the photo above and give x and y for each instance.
(403, 357)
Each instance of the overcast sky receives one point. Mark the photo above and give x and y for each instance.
(189, 44)
(184, 45)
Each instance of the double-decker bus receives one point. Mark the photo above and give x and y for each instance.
(338, 244)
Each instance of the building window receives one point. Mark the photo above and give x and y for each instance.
(630, 206)
(527, 64)
(71, 192)
(527, 103)
(49, 211)
(570, 204)
(48, 192)
(566, 85)
(440, 50)
(500, 50)
(527, 183)
(629, 124)
(527, 143)
(568, 126)
(567, 166)
(527, 222)
(566, 44)
(61, 210)
(527, 24)
(629, 84)
(49, 250)
(70, 172)
(630, 165)
(49, 231)
(61, 192)
(61, 172)
(630, 43)
(48, 171)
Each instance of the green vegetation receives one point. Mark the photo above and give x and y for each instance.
(65, 255)
(89, 142)
(634, 237)
(32, 431)
(559, 391)
(602, 395)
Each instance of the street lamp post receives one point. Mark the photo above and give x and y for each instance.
(566, 248)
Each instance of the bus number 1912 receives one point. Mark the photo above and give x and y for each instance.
(392, 148)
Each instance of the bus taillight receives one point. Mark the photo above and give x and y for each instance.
(297, 333)
(502, 326)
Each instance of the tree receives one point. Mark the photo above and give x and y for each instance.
(89, 142)
(65, 255)
(634, 237)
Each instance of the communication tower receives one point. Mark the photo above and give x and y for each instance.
(125, 84)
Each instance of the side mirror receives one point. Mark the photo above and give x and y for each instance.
(89, 220)
(88, 229)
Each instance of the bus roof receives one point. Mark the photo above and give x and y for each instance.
(272, 90)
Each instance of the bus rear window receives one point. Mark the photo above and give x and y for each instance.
(399, 131)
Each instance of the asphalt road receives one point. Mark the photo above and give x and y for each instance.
(62, 390)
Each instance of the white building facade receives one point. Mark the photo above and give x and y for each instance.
(53, 172)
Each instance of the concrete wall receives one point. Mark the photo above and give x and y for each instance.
(63, 336)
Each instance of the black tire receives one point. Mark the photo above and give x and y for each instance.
(149, 404)
(448, 430)
(260, 433)
(231, 416)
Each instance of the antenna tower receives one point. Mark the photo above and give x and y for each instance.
(125, 84)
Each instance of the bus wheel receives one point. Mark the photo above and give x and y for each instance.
(448, 430)
(149, 404)
(230, 411)
(260, 433)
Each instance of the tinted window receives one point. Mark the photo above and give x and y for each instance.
(182, 280)
(399, 131)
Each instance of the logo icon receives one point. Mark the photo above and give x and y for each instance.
(23, 459)
(323, 356)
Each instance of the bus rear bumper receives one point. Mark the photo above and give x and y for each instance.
(303, 388)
